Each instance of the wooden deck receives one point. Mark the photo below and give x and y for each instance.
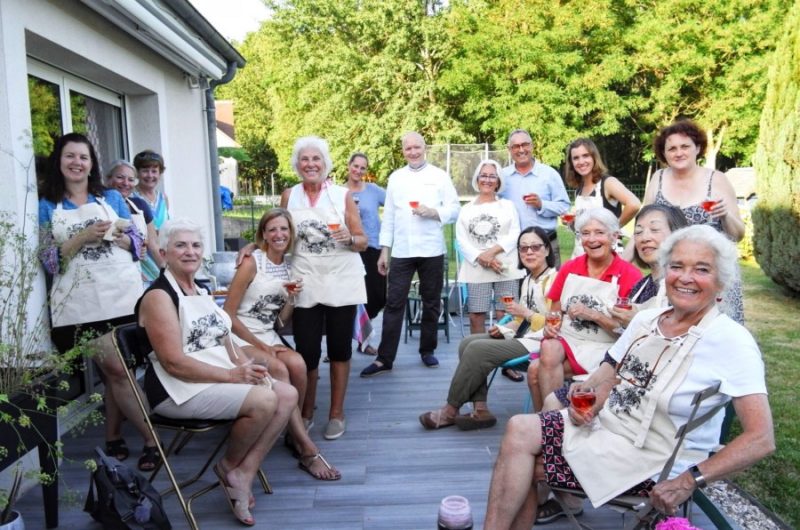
(394, 472)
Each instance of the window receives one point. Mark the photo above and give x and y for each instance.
(61, 103)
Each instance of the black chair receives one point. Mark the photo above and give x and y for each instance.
(641, 506)
(414, 307)
(131, 354)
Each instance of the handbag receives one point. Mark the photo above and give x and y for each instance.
(120, 498)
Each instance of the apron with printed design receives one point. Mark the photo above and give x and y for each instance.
(635, 435)
(589, 341)
(262, 303)
(101, 281)
(332, 274)
(205, 329)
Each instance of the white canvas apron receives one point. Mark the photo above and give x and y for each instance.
(137, 218)
(205, 328)
(101, 281)
(332, 274)
(635, 434)
(659, 300)
(589, 342)
(262, 303)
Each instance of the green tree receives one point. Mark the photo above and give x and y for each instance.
(776, 217)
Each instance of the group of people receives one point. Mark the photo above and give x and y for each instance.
(326, 250)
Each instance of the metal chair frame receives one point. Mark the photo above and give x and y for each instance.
(124, 340)
(414, 307)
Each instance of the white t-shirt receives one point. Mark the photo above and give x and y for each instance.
(726, 353)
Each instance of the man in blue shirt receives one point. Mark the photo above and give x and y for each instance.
(536, 189)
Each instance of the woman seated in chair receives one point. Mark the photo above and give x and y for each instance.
(198, 372)
(644, 388)
(260, 294)
(481, 353)
(583, 290)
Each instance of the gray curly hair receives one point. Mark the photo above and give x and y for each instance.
(725, 253)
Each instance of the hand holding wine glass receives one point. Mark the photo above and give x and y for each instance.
(294, 286)
(582, 400)
(552, 321)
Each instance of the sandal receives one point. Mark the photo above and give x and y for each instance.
(513, 375)
(435, 420)
(118, 449)
(552, 510)
(238, 500)
(307, 462)
(150, 458)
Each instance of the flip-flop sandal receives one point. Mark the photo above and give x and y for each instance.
(434, 420)
(118, 449)
(513, 375)
(238, 500)
(310, 462)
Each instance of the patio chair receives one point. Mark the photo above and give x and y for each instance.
(641, 506)
(520, 362)
(130, 353)
(414, 306)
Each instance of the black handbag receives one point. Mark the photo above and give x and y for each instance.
(121, 498)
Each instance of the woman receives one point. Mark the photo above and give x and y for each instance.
(486, 231)
(583, 290)
(481, 353)
(329, 238)
(595, 188)
(259, 295)
(654, 223)
(150, 168)
(197, 371)
(631, 444)
(369, 198)
(90, 248)
(121, 176)
(688, 186)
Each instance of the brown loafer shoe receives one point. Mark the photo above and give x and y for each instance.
(434, 420)
(477, 419)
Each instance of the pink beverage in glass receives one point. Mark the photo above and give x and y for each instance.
(553, 318)
(623, 302)
(707, 205)
(568, 218)
(413, 204)
(291, 286)
(508, 299)
(333, 227)
(583, 400)
(527, 196)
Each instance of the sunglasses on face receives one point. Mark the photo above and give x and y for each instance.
(530, 248)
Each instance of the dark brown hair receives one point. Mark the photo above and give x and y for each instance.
(571, 176)
(149, 158)
(684, 126)
(52, 186)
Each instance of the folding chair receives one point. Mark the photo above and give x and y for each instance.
(132, 356)
(414, 306)
(641, 506)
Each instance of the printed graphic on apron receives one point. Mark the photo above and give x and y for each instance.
(314, 237)
(206, 332)
(266, 307)
(484, 228)
(90, 252)
(592, 303)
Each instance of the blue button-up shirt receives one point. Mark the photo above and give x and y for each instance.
(544, 181)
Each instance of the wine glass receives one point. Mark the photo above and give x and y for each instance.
(553, 318)
(293, 286)
(567, 218)
(414, 204)
(507, 299)
(583, 401)
(623, 302)
(708, 205)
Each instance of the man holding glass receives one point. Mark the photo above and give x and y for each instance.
(420, 199)
(536, 189)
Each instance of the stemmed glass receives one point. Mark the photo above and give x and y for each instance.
(583, 400)
(553, 318)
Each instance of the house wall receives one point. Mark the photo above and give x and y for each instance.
(162, 111)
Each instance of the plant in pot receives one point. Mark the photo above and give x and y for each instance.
(33, 377)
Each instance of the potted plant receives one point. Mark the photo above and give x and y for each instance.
(11, 519)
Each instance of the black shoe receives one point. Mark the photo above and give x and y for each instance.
(375, 369)
(430, 361)
(552, 510)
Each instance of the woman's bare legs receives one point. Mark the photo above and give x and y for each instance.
(477, 323)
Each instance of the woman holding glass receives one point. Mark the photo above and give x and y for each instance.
(369, 198)
(704, 195)
(261, 295)
(329, 238)
(594, 187)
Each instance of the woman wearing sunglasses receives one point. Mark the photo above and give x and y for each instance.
(481, 353)
(644, 389)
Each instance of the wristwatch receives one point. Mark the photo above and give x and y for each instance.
(699, 480)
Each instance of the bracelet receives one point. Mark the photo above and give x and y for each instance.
(352, 240)
(697, 475)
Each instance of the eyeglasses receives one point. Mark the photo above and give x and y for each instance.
(638, 374)
(530, 248)
(488, 177)
(523, 145)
